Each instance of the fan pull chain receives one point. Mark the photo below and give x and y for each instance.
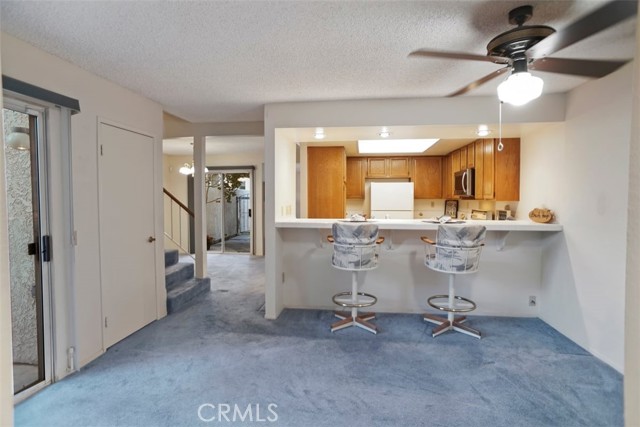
(500, 145)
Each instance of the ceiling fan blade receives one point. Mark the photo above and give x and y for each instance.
(459, 55)
(479, 82)
(598, 20)
(577, 67)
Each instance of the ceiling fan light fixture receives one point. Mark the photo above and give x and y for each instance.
(520, 88)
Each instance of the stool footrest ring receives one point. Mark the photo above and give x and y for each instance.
(451, 309)
(358, 304)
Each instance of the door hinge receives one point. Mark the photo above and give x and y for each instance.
(101, 153)
(106, 323)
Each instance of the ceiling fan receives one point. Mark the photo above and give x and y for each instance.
(529, 46)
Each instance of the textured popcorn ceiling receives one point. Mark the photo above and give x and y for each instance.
(223, 60)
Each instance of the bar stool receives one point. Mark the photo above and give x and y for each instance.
(354, 249)
(456, 251)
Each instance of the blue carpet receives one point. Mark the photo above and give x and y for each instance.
(223, 354)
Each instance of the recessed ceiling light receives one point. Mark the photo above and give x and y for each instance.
(319, 133)
(483, 130)
(384, 133)
(379, 146)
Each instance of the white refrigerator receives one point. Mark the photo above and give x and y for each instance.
(392, 200)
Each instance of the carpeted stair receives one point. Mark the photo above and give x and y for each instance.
(182, 288)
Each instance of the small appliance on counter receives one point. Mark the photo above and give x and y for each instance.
(476, 214)
(503, 215)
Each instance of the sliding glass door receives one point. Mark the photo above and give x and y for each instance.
(28, 244)
(229, 211)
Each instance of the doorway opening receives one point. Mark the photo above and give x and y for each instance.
(29, 245)
(229, 210)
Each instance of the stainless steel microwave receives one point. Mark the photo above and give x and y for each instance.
(464, 183)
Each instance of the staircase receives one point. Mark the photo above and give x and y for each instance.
(182, 288)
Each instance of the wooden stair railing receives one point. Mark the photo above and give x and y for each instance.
(183, 211)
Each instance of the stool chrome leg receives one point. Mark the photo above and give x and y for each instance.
(354, 318)
(451, 322)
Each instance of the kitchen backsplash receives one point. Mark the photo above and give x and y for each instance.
(425, 208)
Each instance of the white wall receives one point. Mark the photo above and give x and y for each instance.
(98, 98)
(6, 363)
(579, 170)
(176, 183)
(632, 323)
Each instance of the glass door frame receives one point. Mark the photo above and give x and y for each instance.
(250, 170)
(224, 170)
(39, 182)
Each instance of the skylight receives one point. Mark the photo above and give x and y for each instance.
(380, 146)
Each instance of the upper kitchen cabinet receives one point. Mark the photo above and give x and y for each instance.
(455, 161)
(497, 173)
(447, 177)
(463, 158)
(471, 158)
(326, 182)
(488, 171)
(356, 170)
(388, 167)
(478, 165)
(427, 177)
(507, 170)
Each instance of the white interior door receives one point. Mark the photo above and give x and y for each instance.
(127, 240)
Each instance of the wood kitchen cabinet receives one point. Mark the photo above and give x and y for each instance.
(455, 161)
(356, 170)
(427, 177)
(479, 167)
(463, 158)
(471, 155)
(497, 173)
(447, 177)
(487, 170)
(507, 170)
(326, 182)
(388, 167)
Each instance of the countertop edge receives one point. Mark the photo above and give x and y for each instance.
(418, 224)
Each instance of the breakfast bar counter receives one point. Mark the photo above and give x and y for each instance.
(422, 224)
(510, 267)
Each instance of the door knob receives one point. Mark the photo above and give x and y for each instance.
(151, 239)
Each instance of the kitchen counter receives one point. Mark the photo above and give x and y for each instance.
(420, 224)
(509, 272)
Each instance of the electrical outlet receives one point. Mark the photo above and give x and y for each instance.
(532, 301)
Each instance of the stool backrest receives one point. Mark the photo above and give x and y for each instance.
(457, 248)
(354, 245)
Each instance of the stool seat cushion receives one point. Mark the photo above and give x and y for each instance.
(457, 248)
(354, 246)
